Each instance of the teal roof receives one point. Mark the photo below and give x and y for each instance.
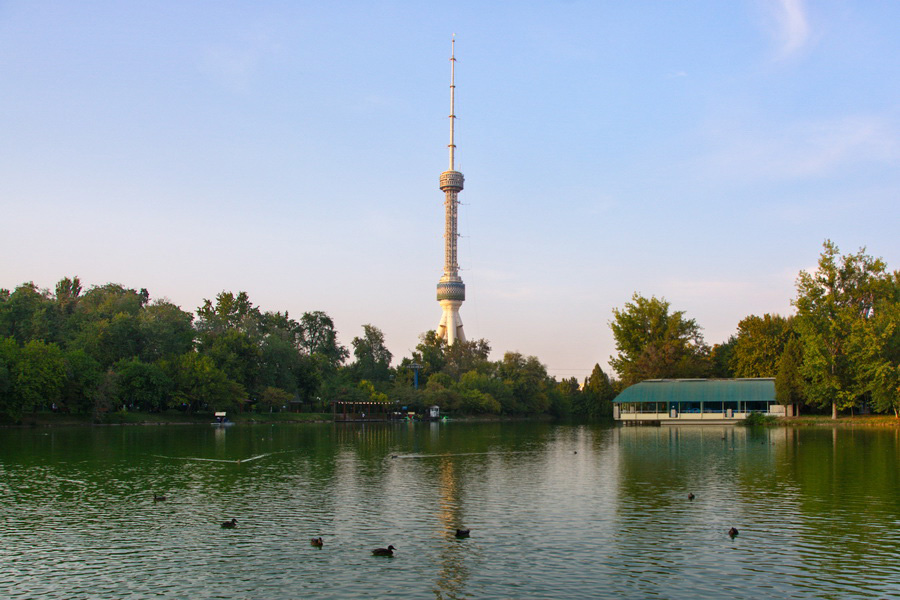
(699, 390)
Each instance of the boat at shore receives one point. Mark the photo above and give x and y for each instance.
(222, 420)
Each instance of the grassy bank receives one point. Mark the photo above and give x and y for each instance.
(841, 421)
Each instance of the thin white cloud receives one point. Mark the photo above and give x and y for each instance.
(790, 25)
(807, 150)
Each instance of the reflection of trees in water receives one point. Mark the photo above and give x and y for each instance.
(659, 466)
(844, 483)
(824, 498)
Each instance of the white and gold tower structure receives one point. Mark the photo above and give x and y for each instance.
(451, 291)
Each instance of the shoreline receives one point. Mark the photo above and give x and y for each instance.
(40, 420)
(841, 421)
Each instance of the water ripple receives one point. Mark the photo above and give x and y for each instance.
(555, 511)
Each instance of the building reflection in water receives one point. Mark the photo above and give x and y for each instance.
(452, 574)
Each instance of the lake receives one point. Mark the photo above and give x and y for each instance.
(555, 511)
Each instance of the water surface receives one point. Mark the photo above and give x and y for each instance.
(556, 511)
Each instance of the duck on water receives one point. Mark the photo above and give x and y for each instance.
(389, 551)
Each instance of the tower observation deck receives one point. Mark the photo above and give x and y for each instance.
(451, 291)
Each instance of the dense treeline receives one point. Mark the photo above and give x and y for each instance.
(840, 351)
(112, 348)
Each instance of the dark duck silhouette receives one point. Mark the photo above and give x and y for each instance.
(463, 533)
(317, 542)
(691, 496)
(229, 524)
(389, 551)
(158, 498)
(733, 532)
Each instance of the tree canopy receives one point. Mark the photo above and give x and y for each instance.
(653, 342)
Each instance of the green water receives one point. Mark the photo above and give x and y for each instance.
(555, 511)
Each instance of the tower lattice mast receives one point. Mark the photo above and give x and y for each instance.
(451, 291)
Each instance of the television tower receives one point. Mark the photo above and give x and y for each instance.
(451, 291)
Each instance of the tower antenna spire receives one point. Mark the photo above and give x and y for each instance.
(452, 144)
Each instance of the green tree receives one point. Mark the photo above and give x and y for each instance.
(27, 314)
(10, 404)
(654, 343)
(106, 395)
(318, 339)
(833, 301)
(200, 385)
(373, 359)
(760, 343)
(105, 323)
(463, 357)
(228, 313)
(789, 384)
(110, 339)
(143, 386)
(273, 399)
(237, 354)
(528, 383)
(481, 393)
(41, 375)
(569, 394)
(83, 377)
(106, 301)
(66, 299)
(720, 357)
(430, 353)
(165, 330)
(874, 345)
(597, 395)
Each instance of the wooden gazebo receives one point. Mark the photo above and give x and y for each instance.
(351, 411)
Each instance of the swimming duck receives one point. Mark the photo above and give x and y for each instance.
(157, 498)
(691, 496)
(229, 524)
(462, 533)
(317, 542)
(389, 551)
(733, 532)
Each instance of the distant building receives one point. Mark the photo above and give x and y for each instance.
(712, 401)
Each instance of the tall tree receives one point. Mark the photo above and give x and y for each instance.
(760, 343)
(10, 404)
(318, 339)
(528, 382)
(654, 343)
(200, 385)
(143, 386)
(789, 384)
(373, 359)
(597, 395)
(166, 330)
(26, 314)
(839, 296)
(430, 353)
(874, 345)
(41, 375)
(230, 312)
(720, 358)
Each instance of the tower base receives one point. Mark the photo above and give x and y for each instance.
(451, 326)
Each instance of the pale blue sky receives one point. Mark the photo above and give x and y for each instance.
(697, 150)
